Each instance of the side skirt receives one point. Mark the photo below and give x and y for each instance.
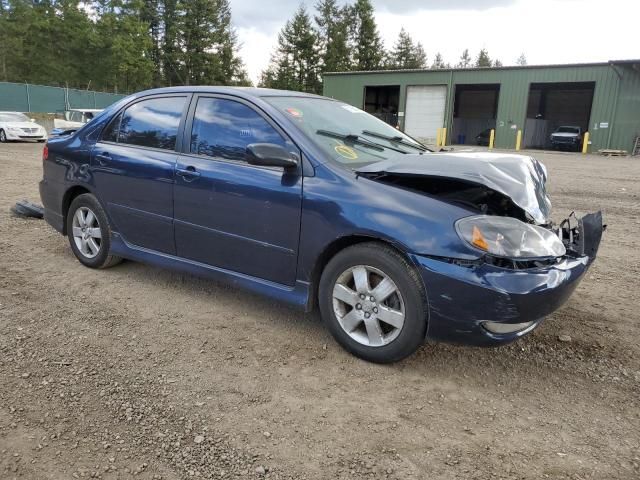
(297, 296)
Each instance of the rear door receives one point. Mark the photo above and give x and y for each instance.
(133, 165)
(230, 214)
(424, 112)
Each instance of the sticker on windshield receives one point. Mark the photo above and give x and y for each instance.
(346, 152)
(294, 112)
(352, 109)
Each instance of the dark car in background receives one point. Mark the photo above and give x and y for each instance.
(482, 139)
(314, 202)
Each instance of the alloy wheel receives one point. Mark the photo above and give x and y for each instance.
(368, 306)
(87, 234)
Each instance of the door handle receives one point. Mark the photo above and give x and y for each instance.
(103, 158)
(188, 174)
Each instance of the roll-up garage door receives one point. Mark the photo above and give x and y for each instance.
(424, 112)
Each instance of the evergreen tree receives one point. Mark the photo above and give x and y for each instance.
(439, 63)
(368, 49)
(406, 54)
(522, 60)
(497, 63)
(332, 31)
(483, 59)
(465, 59)
(295, 65)
(122, 48)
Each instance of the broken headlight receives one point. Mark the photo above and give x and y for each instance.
(508, 237)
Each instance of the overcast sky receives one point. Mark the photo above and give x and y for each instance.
(547, 31)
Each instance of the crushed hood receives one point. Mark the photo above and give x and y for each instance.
(519, 177)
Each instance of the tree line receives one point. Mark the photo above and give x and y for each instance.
(130, 45)
(119, 45)
(341, 38)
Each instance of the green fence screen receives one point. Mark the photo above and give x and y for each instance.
(23, 97)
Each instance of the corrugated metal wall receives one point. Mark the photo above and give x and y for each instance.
(22, 97)
(623, 121)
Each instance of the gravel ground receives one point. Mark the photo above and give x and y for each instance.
(139, 372)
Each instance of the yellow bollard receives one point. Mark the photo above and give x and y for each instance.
(438, 132)
(492, 138)
(518, 139)
(585, 142)
(444, 136)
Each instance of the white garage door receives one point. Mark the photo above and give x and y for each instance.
(424, 112)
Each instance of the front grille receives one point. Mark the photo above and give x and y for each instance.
(563, 139)
(30, 130)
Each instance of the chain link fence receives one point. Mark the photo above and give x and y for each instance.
(24, 97)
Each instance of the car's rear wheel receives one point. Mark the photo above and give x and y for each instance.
(3, 136)
(89, 232)
(373, 303)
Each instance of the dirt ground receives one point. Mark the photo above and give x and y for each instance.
(145, 373)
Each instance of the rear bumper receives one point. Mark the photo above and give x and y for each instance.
(51, 195)
(461, 299)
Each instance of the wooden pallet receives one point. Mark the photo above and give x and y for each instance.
(613, 153)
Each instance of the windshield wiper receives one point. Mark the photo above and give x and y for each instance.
(354, 138)
(396, 139)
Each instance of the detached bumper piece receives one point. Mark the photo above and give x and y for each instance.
(24, 208)
(582, 236)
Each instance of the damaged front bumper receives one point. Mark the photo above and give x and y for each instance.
(486, 305)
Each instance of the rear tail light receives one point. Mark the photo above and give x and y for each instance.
(45, 152)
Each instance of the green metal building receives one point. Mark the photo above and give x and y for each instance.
(601, 98)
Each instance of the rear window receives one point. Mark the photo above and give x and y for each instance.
(568, 130)
(151, 123)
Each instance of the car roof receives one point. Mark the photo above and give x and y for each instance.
(85, 110)
(8, 111)
(239, 91)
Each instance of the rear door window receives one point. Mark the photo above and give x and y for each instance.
(223, 128)
(152, 123)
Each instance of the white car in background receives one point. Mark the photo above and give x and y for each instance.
(73, 119)
(17, 126)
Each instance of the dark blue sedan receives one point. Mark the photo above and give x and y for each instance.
(317, 203)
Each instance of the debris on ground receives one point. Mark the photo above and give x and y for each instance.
(25, 208)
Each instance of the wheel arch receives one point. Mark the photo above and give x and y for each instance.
(68, 197)
(333, 249)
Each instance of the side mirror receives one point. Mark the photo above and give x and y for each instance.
(270, 155)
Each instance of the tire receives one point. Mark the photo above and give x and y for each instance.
(346, 315)
(41, 141)
(3, 137)
(94, 232)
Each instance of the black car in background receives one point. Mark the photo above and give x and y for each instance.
(482, 139)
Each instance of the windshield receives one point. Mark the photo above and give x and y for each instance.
(568, 130)
(347, 134)
(13, 117)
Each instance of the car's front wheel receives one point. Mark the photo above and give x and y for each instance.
(374, 303)
(3, 136)
(89, 232)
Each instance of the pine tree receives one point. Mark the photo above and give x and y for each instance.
(522, 60)
(497, 63)
(483, 59)
(406, 54)
(439, 63)
(368, 49)
(332, 31)
(465, 59)
(295, 65)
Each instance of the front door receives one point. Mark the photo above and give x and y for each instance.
(230, 214)
(133, 167)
